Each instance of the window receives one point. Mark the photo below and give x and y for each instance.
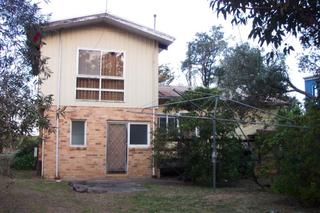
(100, 76)
(167, 122)
(78, 133)
(139, 134)
(315, 90)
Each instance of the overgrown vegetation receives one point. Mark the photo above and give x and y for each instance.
(188, 148)
(21, 70)
(291, 155)
(24, 159)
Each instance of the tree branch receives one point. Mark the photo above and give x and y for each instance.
(296, 89)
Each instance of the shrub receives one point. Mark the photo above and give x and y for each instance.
(24, 159)
(297, 157)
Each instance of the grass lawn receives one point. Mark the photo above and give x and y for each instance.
(27, 193)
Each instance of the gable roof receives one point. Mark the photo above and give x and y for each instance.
(163, 39)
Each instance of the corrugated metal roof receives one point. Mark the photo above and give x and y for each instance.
(164, 39)
(168, 92)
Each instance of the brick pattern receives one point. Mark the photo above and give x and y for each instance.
(90, 161)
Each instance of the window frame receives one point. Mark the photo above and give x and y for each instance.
(315, 89)
(100, 77)
(85, 133)
(167, 117)
(148, 135)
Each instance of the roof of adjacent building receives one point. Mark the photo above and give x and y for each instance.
(163, 39)
(169, 92)
(314, 77)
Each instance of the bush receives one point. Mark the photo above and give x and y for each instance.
(297, 157)
(24, 159)
(5, 161)
(192, 156)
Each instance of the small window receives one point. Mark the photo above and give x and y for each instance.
(315, 90)
(162, 122)
(78, 137)
(139, 134)
(167, 122)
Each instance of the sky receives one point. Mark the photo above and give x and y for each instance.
(181, 19)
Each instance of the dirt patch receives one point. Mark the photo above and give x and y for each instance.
(106, 186)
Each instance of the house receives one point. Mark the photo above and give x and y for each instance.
(104, 68)
(311, 84)
(168, 93)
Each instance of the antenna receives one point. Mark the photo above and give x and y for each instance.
(106, 7)
(154, 21)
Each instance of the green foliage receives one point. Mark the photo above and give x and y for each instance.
(230, 160)
(24, 159)
(246, 76)
(203, 55)
(189, 147)
(273, 21)
(295, 155)
(166, 75)
(21, 109)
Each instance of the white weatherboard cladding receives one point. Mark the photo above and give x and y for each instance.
(140, 64)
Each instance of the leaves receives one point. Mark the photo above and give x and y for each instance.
(272, 20)
(203, 54)
(247, 77)
(21, 109)
(166, 75)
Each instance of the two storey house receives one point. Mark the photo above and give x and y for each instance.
(104, 69)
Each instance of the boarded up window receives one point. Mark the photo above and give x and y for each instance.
(100, 76)
(88, 83)
(112, 64)
(112, 84)
(112, 96)
(87, 95)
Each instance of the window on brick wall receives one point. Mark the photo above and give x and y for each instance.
(100, 76)
(78, 133)
(139, 134)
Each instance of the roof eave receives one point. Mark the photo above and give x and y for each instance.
(163, 39)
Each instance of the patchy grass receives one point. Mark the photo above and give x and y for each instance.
(27, 193)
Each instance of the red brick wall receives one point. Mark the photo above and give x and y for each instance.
(90, 161)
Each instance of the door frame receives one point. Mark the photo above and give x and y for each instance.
(127, 124)
(107, 141)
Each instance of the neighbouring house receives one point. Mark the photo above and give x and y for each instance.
(168, 93)
(312, 85)
(104, 69)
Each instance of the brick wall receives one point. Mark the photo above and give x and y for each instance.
(90, 161)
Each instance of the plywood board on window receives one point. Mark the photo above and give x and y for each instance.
(88, 95)
(112, 96)
(112, 64)
(87, 83)
(112, 84)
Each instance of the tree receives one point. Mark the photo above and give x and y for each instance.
(191, 150)
(245, 75)
(166, 76)
(292, 154)
(203, 55)
(310, 61)
(21, 108)
(273, 21)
